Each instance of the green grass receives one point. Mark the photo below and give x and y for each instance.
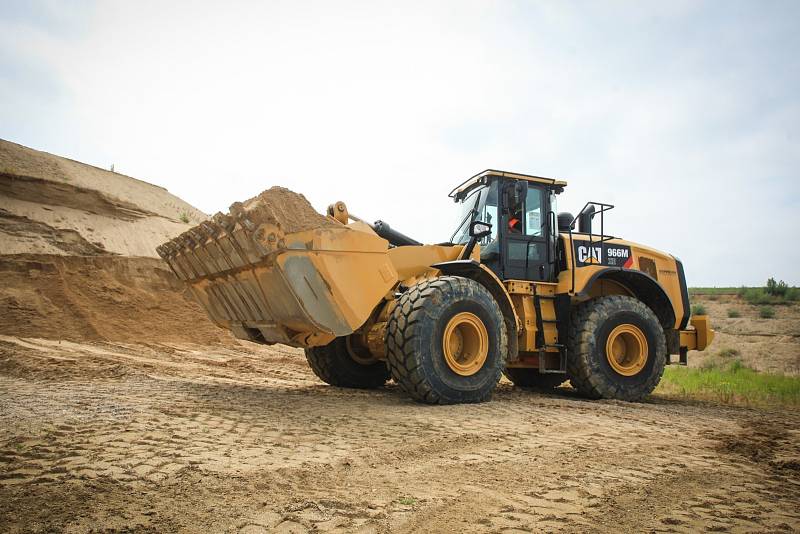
(730, 382)
(766, 312)
(184, 217)
(733, 313)
(407, 501)
(713, 290)
(698, 309)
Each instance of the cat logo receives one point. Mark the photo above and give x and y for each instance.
(590, 254)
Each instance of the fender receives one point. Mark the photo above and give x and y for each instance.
(484, 276)
(645, 287)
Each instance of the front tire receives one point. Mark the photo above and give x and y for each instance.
(616, 349)
(446, 341)
(338, 364)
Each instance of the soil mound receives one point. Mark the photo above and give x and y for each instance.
(48, 204)
(291, 211)
(103, 298)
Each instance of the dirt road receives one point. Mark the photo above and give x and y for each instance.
(97, 436)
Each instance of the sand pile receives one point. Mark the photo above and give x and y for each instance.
(102, 298)
(291, 211)
(54, 205)
(74, 247)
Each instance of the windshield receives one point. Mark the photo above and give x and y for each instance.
(480, 204)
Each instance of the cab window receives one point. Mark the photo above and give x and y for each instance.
(480, 205)
(533, 212)
(489, 212)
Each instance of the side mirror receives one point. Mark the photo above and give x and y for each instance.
(479, 229)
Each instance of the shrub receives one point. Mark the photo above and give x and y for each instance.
(733, 313)
(777, 289)
(742, 291)
(766, 312)
(184, 216)
(759, 296)
(698, 309)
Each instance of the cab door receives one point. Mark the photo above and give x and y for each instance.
(526, 243)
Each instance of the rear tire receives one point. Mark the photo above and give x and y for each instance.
(334, 365)
(616, 349)
(446, 341)
(529, 378)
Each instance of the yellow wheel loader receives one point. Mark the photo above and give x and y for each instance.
(520, 289)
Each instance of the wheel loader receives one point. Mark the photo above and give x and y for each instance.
(519, 289)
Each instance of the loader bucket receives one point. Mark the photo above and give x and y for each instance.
(302, 289)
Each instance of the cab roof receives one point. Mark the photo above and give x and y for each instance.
(480, 178)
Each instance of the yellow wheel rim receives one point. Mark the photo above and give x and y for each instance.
(465, 344)
(358, 353)
(626, 349)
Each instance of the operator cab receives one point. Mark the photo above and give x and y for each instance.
(521, 210)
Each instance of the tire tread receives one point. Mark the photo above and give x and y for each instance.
(583, 371)
(333, 365)
(413, 307)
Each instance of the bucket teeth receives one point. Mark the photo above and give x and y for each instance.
(225, 222)
(210, 229)
(222, 243)
(198, 239)
(185, 240)
(247, 224)
(167, 251)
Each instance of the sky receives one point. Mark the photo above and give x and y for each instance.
(683, 114)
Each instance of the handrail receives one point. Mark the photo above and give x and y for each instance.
(603, 238)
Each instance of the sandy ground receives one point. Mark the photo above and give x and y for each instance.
(182, 437)
(771, 345)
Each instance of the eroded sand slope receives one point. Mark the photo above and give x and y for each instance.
(54, 205)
